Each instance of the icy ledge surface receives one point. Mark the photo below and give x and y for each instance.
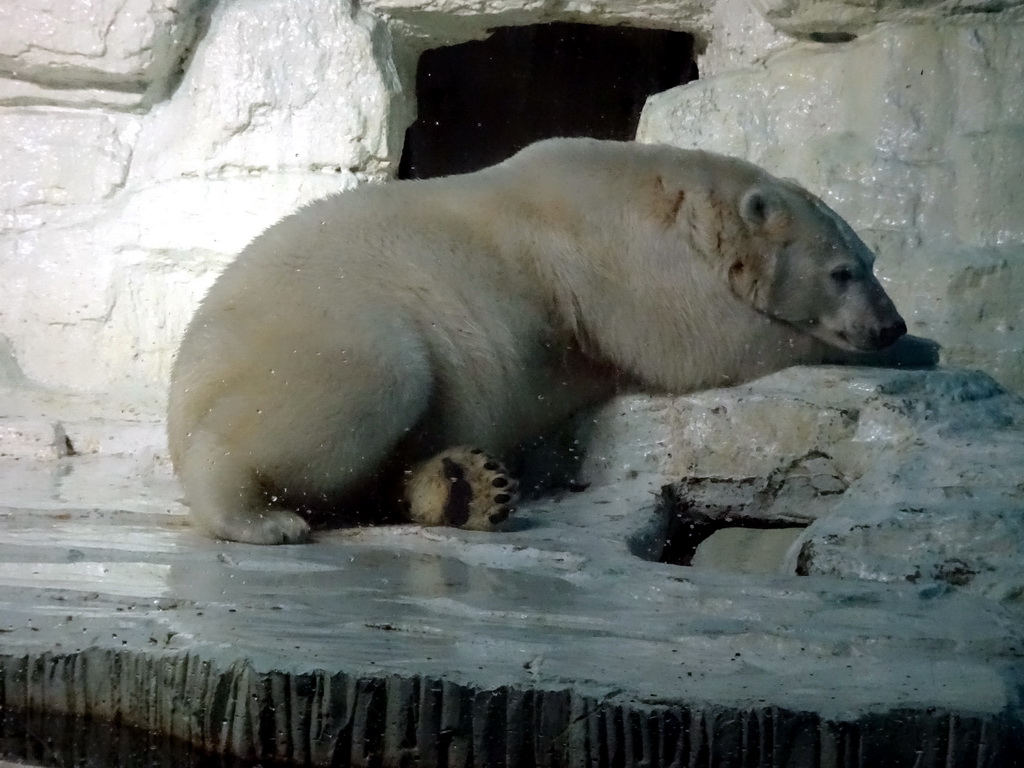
(561, 641)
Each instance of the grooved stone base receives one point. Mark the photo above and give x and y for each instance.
(338, 719)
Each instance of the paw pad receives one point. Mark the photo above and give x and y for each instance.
(499, 516)
(457, 488)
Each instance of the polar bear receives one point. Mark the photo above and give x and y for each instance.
(386, 347)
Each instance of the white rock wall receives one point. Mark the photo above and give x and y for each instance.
(113, 53)
(144, 142)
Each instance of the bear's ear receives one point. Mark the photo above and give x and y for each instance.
(763, 210)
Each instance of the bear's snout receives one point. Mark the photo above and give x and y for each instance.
(867, 336)
(891, 334)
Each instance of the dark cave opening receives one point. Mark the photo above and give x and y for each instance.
(480, 102)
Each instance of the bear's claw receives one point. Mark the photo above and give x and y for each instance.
(461, 487)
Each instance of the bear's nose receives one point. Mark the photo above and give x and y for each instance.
(891, 334)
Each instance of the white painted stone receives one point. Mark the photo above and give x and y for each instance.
(809, 18)
(445, 22)
(278, 86)
(24, 93)
(740, 37)
(61, 157)
(116, 224)
(746, 550)
(969, 299)
(111, 47)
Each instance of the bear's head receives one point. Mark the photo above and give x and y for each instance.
(801, 263)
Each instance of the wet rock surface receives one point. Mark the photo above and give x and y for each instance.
(561, 640)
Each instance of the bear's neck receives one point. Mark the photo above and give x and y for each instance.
(678, 335)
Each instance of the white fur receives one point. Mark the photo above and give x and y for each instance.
(391, 322)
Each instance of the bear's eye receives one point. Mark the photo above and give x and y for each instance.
(842, 275)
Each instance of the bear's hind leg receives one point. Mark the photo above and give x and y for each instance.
(226, 501)
(460, 487)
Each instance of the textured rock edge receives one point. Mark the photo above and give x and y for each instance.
(331, 718)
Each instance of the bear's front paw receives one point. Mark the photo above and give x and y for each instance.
(272, 526)
(461, 487)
